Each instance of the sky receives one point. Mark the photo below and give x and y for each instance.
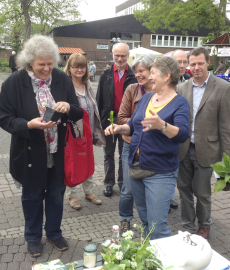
(98, 9)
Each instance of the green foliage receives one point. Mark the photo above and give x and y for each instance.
(182, 16)
(222, 168)
(4, 63)
(111, 121)
(43, 16)
(129, 255)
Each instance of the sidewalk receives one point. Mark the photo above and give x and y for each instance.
(91, 223)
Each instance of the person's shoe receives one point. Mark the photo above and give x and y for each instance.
(74, 203)
(204, 232)
(35, 248)
(95, 199)
(173, 205)
(108, 191)
(60, 243)
(125, 226)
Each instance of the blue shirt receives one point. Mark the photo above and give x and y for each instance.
(157, 152)
(198, 92)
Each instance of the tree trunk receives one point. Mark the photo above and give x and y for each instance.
(25, 7)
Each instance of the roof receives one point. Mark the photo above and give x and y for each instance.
(67, 50)
(222, 40)
(126, 4)
(101, 29)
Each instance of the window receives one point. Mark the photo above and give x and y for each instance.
(154, 40)
(159, 41)
(190, 41)
(178, 41)
(171, 41)
(166, 40)
(183, 44)
(195, 43)
(174, 41)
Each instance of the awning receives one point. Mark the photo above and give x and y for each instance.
(67, 50)
(220, 41)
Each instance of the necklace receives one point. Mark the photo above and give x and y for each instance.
(157, 99)
(77, 85)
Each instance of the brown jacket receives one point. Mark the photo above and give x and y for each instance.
(128, 105)
(98, 132)
(212, 126)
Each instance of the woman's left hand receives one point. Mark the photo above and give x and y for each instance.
(62, 107)
(152, 122)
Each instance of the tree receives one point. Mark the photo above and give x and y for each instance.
(177, 15)
(23, 17)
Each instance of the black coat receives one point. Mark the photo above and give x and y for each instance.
(105, 93)
(28, 155)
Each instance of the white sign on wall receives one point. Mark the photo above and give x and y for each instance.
(224, 52)
(102, 46)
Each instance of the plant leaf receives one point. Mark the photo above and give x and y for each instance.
(227, 178)
(219, 186)
(226, 160)
(220, 168)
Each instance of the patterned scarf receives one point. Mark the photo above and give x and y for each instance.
(45, 99)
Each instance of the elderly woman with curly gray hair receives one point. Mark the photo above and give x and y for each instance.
(158, 126)
(37, 147)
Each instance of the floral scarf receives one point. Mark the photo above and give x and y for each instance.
(45, 99)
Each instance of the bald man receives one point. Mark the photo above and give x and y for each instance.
(181, 58)
(111, 87)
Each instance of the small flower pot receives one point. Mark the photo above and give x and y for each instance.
(227, 188)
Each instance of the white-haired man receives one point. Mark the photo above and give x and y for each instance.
(111, 87)
(12, 62)
(181, 58)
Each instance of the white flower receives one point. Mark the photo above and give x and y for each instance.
(114, 246)
(134, 225)
(119, 255)
(128, 234)
(133, 265)
(105, 262)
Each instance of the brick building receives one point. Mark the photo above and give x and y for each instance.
(95, 38)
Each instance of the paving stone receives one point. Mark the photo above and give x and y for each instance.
(7, 258)
(8, 242)
(25, 266)
(13, 266)
(3, 250)
(13, 249)
(3, 266)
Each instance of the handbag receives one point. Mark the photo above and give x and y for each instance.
(136, 172)
(78, 155)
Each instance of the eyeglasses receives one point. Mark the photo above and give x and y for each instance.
(182, 62)
(78, 68)
(121, 56)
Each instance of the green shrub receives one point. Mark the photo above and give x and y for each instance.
(5, 69)
(4, 63)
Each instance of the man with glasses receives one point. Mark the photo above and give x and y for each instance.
(111, 87)
(181, 58)
(209, 100)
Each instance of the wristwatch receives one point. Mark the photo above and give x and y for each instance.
(164, 127)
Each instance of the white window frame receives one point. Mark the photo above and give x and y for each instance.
(175, 39)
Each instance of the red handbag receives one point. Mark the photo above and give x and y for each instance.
(78, 155)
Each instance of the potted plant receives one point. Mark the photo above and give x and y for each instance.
(222, 168)
(129, 255)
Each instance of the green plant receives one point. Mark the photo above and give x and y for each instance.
(129, 255)
(111, 121)
(222, 168)
(4, 63)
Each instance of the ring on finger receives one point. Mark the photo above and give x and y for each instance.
(150, 126)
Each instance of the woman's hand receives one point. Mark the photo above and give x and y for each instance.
(152, 122)
(62, 107)
(109, 130)
(37, 123)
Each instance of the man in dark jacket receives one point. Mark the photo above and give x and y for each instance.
(12, 63)
(111, 87)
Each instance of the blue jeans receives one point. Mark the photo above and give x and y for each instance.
(32, 204)
(152, 196)
(126, 197)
